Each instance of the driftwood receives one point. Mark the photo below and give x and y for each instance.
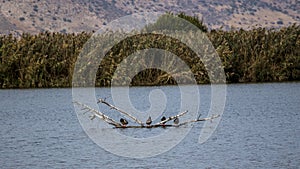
(172, 125)
(98, 114)
(116, 124)
(199, 119)
(121, 111)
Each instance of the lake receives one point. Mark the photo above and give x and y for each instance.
(260, 128)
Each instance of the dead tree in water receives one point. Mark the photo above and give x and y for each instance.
(116, 124)
(99, 114)
(121, 111)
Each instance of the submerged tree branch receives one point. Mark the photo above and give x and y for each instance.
(98, 114)
(111, 121)
(202, 119)
(172, 125)
(121, 111)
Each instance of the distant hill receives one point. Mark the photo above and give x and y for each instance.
(34, 16)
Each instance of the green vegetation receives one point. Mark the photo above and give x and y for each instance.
(43, 60)
(259, 55)
(48, 59)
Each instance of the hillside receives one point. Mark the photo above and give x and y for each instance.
(34, 16)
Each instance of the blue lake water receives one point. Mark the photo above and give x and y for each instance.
(260, 128)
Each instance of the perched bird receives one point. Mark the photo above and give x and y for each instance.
(149, 121)
(124, 121)
(176, 120)
(163, 119)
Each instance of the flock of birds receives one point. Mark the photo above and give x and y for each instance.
(124, 122)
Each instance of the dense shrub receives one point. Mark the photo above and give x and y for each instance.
(47, 59)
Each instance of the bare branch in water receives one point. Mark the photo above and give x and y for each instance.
(116, 124)
(121, 111)
(98, 114)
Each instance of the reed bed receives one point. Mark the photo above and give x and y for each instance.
(47, 59)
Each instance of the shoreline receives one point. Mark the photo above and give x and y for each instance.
(207, 84)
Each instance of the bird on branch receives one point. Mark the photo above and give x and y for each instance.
(149, 121)
(163, 119)
(176, 120)
(123, 121)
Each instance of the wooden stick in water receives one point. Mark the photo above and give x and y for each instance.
(202, 119)
(171, 125)
(99, 114)
(119, 125)
(121, 111)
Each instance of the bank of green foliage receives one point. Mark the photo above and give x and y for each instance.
(48, 59)
(42, 60)
(259, 55)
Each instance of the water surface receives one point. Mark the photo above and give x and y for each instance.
(260, 128)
